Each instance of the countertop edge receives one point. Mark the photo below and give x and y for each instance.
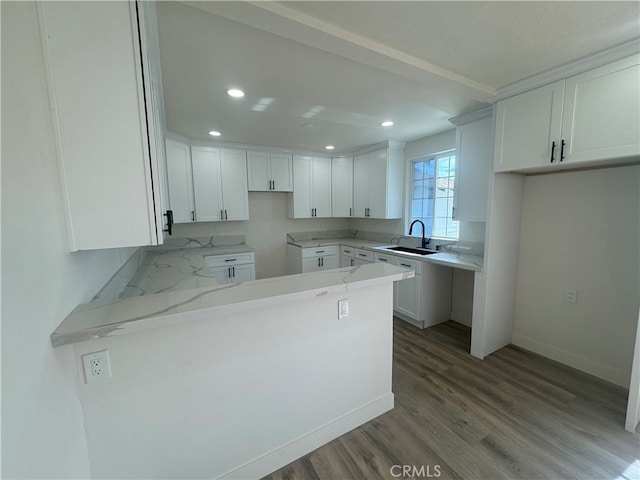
(243, 302)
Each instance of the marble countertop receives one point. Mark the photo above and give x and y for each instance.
(165, 270)
(446, 258)
(176, 306)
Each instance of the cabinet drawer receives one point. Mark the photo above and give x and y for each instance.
(364, 255)
(384, 258)
(415, 265)
(344, 250)
(229, 259)
(319, 251)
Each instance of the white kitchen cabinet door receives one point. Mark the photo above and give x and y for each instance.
(407, 299)
(207, 184)
(311, 264)
(180, 181)
(342, 187)
(601, 115)
(474, 155)
(94, 67)
(347, 261)
(281, 172)
(300, 201)
(328, 262)
(360, 185)
(377, 183)
(243, 273)
(258, 174)
(311, 195)
(321, 181)
(235, 196)
(528, 129)
(378, 163)
(221, 274)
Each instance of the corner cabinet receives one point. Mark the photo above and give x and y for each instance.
(180, 182)
(474, 156)
(589, 119)
(377, 182)
(219, 184)
(269, 172)
(311, 195)
(342, 187)
(105, 134)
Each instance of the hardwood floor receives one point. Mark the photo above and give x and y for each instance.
(512, 415)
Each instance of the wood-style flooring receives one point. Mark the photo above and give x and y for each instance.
(513, 415)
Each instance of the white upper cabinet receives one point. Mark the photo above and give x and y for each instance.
(342, 187)
(528, 129)
(311, 195)
(377, 183)
(108, 163)
(270, 172)
(591, 118)
(601, 117)
(235, 198)
(474, 153)
(207, 184)
(219, 184)
(180, 181)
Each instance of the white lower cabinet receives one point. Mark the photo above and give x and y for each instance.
(314, 259)
(425, 299)
(347, 256)
(232, 268)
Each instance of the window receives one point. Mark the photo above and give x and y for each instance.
(432, 197)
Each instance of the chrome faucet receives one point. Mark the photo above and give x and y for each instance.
(425, 241)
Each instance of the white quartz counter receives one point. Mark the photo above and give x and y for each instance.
(173, 306)
(176, 269)
(446, 258)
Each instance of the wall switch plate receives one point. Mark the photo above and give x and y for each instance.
(571, 295)
(97, 367)
(343, 309)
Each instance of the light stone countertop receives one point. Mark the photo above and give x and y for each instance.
(446, 258)
(174, 307)
(166, 270)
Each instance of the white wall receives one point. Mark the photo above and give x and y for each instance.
(244, 393)
(581, 230)
(266, 230)
(43, 432)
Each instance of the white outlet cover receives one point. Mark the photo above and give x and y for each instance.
(343, 309)
(97, 366)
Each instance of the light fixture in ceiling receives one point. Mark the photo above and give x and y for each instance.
(215, 133)
(235, 93)
(329, 147)
(307, 126)
(386, 123)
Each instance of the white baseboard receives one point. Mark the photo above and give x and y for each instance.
(281, 456)
(600, 370)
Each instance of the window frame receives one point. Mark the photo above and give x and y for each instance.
(410, 183)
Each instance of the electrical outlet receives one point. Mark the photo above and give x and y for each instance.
(96, 366)
(343, 309)
(571, 295)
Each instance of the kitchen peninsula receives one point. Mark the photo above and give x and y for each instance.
(266, 365)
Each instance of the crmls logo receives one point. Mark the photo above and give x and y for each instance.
(413, 471)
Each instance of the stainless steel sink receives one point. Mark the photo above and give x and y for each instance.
(417, 251)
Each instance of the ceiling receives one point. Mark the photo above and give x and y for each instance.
(344, 67)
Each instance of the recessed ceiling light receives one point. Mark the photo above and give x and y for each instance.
(329, 147)
(387, 123)
(235, 93)
(214, 133)
(307, 126)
